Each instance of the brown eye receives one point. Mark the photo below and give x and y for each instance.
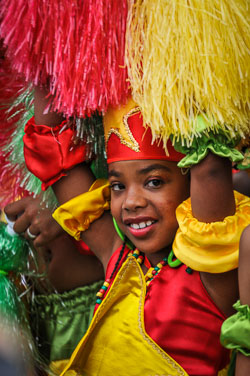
(154, 183)
(117, 186)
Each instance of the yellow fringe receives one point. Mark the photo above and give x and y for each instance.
(195, 60)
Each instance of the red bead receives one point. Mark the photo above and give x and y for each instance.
(154, 272)
(102, 291)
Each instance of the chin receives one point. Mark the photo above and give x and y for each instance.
(153, 247)
(148, 248)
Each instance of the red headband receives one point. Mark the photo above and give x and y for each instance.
(127, 138)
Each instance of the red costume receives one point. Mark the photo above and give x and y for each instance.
(186, 322)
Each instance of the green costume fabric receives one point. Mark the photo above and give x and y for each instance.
(245, 164)
(219, 143)
(59, 321)
(235, 331)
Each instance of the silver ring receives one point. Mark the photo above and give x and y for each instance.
(30, 235)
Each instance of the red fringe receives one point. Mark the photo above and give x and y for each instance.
(9, 184)
(79, 44)
(10, 180)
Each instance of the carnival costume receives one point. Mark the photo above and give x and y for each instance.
(176, 305)
(187, 69)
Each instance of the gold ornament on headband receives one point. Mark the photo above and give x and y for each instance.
(113, 124)
(132, 139)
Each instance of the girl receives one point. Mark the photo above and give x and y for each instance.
(155, 315)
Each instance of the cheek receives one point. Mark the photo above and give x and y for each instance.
(112, 208)
(115, 207)
(169, 211)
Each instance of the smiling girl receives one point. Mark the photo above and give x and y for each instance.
(155, 314)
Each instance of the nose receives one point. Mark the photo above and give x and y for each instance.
(133, 200)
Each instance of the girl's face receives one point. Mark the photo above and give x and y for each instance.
(144, 197)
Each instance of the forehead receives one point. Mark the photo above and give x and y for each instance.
(142, 166)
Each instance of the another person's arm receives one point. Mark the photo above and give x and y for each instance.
(64, 266)
(243, 362)
(31, 214)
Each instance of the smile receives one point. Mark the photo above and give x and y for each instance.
(141, 225)
(140, 228)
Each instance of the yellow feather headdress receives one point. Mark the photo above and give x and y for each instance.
(190, 57)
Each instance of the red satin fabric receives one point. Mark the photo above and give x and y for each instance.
(48, 153)
(116, 151)
(183, 320)
(82, 247)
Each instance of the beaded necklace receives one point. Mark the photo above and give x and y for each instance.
(149, 276)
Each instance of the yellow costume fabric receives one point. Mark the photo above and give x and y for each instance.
(76, 214)
(118, 324)
(58, 366)
(210, 247)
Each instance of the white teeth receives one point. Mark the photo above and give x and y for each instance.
(142, 225)
(137, 226)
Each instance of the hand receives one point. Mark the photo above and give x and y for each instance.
(33, 220)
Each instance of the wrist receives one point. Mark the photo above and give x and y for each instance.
(50, 152)
(207, 140)
(212, 166)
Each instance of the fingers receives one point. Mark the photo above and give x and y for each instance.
(22, 212)
(16, 208)
(46, 228)
(30, 234)
(33, 220)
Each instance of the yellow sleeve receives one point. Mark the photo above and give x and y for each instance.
(76, 214)
(211, 247)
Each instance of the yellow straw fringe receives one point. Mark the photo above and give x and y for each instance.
(195, 60)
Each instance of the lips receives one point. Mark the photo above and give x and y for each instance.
(139, 227)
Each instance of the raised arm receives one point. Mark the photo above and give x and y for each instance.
(243, 362)
(41, 103)
(211, 190)
(212, 200)
(100, 236)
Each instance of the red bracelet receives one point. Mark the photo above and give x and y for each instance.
(49, 152)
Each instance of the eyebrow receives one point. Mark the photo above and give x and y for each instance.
(143, 171)
(114, 173)
(156, 166)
